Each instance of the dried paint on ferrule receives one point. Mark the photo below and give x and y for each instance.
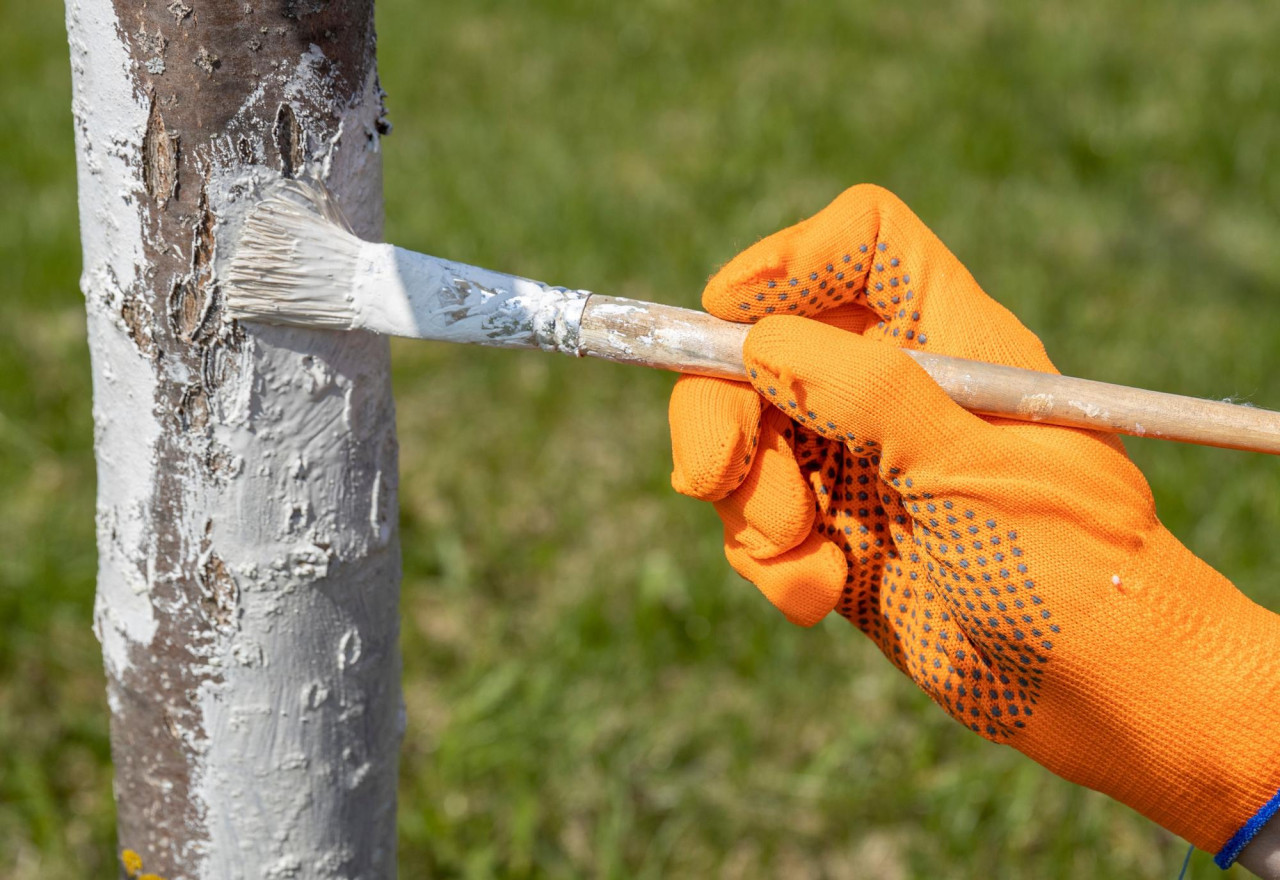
(558, 323)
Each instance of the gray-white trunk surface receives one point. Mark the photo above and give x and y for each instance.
(248, 551)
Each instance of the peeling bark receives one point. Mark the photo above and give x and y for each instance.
(248, 552)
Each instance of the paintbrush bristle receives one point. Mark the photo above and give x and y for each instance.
(295, 261)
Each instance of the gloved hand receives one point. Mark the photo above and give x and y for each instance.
(1017, 572)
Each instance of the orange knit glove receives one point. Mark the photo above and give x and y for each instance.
(1017, 572)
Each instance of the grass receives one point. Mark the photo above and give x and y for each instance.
(591, 692)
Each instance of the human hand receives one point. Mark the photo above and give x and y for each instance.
(1017, 572)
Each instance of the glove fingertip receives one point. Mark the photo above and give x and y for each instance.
(735, 292)
(714, 431)
(804, 583)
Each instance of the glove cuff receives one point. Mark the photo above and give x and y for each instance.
(1206, 685)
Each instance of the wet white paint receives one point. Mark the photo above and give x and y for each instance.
(296, 263)
(404, 293)
(295, 774)
(318, 566)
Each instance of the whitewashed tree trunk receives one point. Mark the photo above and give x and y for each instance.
(248, 551)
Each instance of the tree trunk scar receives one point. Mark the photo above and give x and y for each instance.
(136, 314)
(291, 142)
(193, 409)
(220, 595)
(159, 158)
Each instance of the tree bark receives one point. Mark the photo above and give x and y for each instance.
(248, 552)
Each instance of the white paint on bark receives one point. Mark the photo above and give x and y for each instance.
(110, 120)
(127, 431)
(293, 535)
(298, 661)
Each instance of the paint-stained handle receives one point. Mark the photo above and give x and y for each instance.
(686, 341)
(630, 331)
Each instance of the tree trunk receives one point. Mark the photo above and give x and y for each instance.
(248, 552)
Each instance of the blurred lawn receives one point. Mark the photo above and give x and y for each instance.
(591, 692)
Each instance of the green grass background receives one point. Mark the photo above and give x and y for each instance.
(591, 692)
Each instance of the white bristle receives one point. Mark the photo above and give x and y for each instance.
(296, 260)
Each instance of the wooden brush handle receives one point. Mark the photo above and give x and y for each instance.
(685, 341)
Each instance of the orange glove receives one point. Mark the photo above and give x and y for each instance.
(1017, 572)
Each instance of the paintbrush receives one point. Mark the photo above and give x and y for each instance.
(297, 262)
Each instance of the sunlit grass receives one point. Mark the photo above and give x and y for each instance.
(590, 691)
